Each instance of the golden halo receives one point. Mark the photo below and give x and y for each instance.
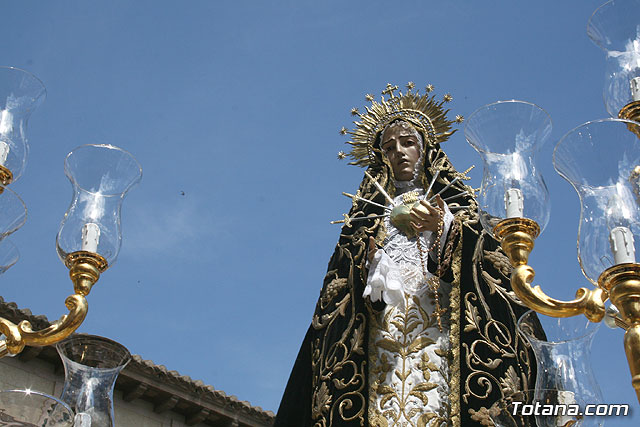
(424, 112)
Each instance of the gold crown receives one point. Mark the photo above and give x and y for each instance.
(424, 112)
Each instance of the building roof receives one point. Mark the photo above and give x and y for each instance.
(167, 390)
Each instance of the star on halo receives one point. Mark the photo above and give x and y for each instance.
(341, 155)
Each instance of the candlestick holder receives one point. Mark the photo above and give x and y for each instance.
(89, 238)
(601, 160)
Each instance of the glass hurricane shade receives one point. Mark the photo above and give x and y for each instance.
(9, 255)
(563, 360)
(508, 135)
(91, 367)
(31, 408)
(20, 94)
(601, 160)
(14, 212)
(614, 28)
(100, 176)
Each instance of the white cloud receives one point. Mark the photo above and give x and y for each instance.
(161, 227)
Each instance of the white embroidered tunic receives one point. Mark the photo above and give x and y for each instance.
(408, 370)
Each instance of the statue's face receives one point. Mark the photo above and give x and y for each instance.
(402, 148)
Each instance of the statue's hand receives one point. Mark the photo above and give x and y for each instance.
(425, 217)
(371, 252)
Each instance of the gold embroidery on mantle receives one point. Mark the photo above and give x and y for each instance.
(334, 287)
(404, 333)
(496, 342)
(482, 416)
(454, 336)
(338, 381)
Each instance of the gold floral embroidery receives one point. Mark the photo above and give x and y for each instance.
(482, 416)
(409, 337)
(321, 401)
(510, 383)
(496, 343)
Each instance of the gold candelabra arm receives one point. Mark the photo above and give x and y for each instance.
(22, 334)
(84, 271)
(517, 237)
(587, 301)
(622, 282)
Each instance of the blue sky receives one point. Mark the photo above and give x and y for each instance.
(233, 110)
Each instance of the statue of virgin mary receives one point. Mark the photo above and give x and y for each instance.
(416, 320)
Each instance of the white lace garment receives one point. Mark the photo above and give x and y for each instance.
(408, 368)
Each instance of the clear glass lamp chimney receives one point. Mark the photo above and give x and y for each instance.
(101, 176)
(601, 160)
(614, 28)
(14, 212)
(20, 94)
(508, 135)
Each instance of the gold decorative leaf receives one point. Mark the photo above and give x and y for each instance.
(412, 413)
(482, 417)
(358, 339)
(399, 325)
(510, 383)
(391, 414)
(321, 401)
(385, 389)
(387, 395)
(402, 375)
(410, 327)
(419, 343)
(342, 305)
(389, 345)
(423, 421)
(432, 367)
(423, 397)
(472, 317)
(425, 387)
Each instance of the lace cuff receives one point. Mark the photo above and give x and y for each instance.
(383, 281)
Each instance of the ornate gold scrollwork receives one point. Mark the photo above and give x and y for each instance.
(517, 236)
(84, 270)
(587, 301)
